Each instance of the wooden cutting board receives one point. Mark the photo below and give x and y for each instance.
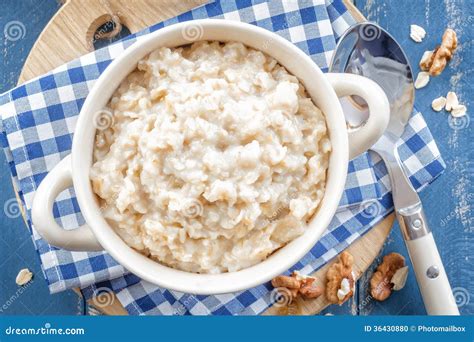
(69, 35)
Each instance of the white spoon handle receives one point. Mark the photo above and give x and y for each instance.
(429, 270)
(431, 276)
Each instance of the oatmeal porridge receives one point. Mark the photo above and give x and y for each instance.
(215, 157)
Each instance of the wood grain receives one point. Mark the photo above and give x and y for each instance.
(69, 33)
(68, 36)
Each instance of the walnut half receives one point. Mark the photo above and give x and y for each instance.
(340, 279)
(309, 289)
(381, 282)
(436, 62)
(297, 284)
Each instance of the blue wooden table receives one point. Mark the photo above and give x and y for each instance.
(448, 201)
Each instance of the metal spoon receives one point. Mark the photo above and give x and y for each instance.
(368, 50)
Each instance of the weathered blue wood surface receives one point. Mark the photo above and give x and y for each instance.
(447, 202)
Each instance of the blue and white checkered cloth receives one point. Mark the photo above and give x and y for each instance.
(37, 125)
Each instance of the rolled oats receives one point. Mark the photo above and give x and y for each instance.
(417, 33)
(458, 111)
(438, 103)
(451, 101)
(206, 145)
(422, 79)
(23, 277)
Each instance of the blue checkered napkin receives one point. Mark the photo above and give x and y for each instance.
(38, 120)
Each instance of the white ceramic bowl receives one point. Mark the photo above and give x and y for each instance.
(324, 89)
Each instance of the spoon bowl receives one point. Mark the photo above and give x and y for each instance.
(368, 50)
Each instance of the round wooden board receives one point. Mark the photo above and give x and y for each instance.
(69, 35)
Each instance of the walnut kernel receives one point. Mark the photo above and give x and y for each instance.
(380, 283)
(336, 274)
(441, 54)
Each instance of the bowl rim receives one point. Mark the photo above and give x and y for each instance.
(206, 284)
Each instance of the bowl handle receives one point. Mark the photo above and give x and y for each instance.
(56, 181)
(362, 139)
